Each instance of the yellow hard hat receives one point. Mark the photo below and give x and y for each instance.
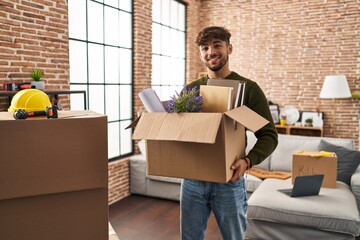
(30, 100)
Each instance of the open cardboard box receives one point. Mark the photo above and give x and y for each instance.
(199, 146)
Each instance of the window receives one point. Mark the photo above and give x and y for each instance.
(100, 46)
(168, 47)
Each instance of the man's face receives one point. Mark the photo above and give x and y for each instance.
(215, 54)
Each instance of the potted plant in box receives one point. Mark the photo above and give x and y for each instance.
(36, 76)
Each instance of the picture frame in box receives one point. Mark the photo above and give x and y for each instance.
(275, 112)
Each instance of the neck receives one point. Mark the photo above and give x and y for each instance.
(219, 74)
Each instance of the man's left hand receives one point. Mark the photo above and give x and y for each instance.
(239, 167)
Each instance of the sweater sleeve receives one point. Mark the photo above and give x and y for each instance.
(267, 138)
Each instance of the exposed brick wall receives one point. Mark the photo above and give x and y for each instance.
(142, 49)
(289, 47)
(119, 180)
(34, 34)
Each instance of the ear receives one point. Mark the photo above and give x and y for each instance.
(201, 57)
(230, 48)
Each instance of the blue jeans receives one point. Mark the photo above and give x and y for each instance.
(227, 201)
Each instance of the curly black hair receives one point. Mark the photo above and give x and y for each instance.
(211, 32)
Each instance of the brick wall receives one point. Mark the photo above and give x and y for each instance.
(287, 47)
(118, 180)
(34, 34)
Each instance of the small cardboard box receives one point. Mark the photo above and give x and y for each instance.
(54, 177)
(311, 163)
(199, 146)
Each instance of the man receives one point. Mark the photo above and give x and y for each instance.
(227, 200)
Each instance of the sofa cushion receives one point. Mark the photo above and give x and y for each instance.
(355, 185)
(281, 159)
(348, 160)
(334, 209)
(252, 182)
(164, 179)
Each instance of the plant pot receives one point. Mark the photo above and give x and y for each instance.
(38, 85)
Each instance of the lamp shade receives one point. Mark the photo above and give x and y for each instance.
(335, 86)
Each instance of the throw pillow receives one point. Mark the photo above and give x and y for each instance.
(348, 160)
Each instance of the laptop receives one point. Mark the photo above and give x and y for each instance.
(305, 186)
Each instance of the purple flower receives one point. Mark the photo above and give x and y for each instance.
(188, 101)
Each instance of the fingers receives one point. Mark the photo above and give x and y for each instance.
(239, 167)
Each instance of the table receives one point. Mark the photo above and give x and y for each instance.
(54, 93)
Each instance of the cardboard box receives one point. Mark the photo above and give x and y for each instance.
(199, 146)
(54, 177)
(311, 163)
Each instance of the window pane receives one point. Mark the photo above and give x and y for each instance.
(95, 20)
(179, 71)
(181, 45)
(156, 67)
(114, 3)
(174, 46)
(156, 40)
(125, 29)
(111, 65)
(111, 26)
(165, 12)
(112, 102)
(77, 60)
(156, 11)
(174, 14)
(113, 139)
(125, 66)
(165, 43)
(100, 54)
(126, 108)
(77, 19)
(166, 74)
(96, 98)
(77, 100)
(126, 141)
(96, 63)
(181, 17)
(126, 5)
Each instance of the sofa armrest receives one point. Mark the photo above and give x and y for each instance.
(355, 185)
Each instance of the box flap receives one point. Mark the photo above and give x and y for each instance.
(185, 127)
(247, 117)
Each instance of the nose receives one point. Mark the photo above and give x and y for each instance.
(209, 51)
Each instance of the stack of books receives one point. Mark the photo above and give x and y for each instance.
(221, 95)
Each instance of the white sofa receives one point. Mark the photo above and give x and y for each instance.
(281, 219)
(333, 214)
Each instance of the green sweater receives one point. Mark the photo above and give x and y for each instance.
(254, 99)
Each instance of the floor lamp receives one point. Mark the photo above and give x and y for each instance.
(334, 87)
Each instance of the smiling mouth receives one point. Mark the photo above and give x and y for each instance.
(213, 59)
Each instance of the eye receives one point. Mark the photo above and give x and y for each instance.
(204, 48)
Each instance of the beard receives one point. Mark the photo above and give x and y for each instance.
(219, 66)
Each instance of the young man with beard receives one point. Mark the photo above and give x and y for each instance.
(227, 200)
